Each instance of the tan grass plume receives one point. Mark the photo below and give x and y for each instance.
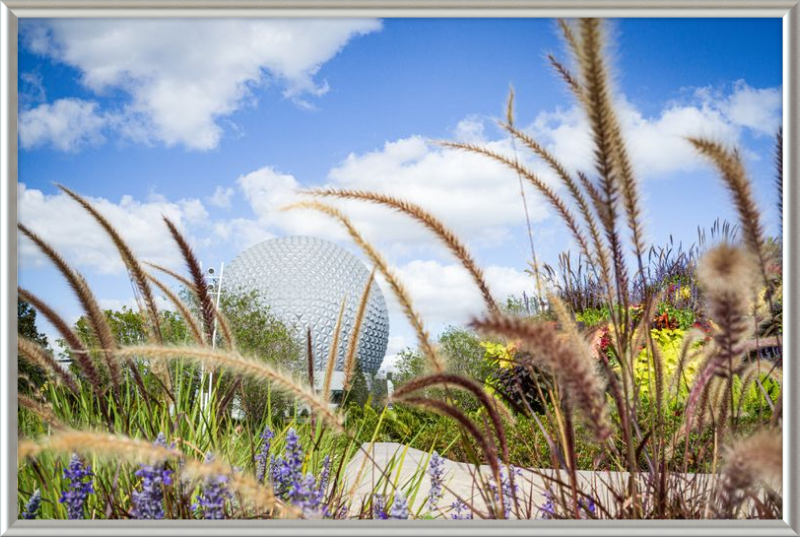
(571, 368)
(448, 237)
(333, 353)
(94, 314)
(355, 336)
(380, 263)
(131, 262)
(39, 357)
(237, 363)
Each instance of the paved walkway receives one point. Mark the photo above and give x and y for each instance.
(408, 466)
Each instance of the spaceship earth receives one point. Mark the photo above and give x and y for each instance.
(304, 280)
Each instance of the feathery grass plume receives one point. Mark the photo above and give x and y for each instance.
(111, 446)
(566, 75)
(779, 172)
(448, 380)
(245, 485)
(600, 112)
(235, 362)
(132, 450)
(377, 259)
(425, 218)
(332, 354)
(310, 359)
(573, 41)
(555, 201)
(594, 195)
(39, 357)
(222, 321)
(352, 345)
(79, 352)
(45, 412)
(134, 267)
(182, 308)
(169, 272)
(198, 278)
(94, 314)
(572, 369)
(731, 168)
(534, 259)
(601, 255)
(510, 106)
(726, 274)
(457, 415)
(750, 461)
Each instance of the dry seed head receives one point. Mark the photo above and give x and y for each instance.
(758, 458)
(727, 269)
(90, 443)
(575, 371)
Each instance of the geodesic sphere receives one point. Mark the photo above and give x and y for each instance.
(304, 280)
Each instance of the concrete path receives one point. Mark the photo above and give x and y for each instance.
(408, 467)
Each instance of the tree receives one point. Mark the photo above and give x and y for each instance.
(260, 335)
(410, 364)
(26, 327)
(358, 394)
(464, 353)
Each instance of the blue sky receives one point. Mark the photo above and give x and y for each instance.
(218, 123)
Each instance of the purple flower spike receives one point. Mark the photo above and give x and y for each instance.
(32, 507)
(215, 492)
(263, 454)
(399, 507)
(79, 486)
(548, 509)
(148, 503)
(379, 507)
(436, 473)
(461, 511)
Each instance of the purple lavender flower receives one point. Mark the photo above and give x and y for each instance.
(436, 473)
(32, 507)
(399, 507)
(288, 471)
(460, 511)
(263, 453)
(588, 507)
(548, 508)
(379, 507)
(215, 492)
(148, 503)
(79, 486)
(325, 474)
(508, 492)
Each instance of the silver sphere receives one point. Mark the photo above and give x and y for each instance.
(303, 280)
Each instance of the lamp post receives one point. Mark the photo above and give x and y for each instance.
(215, 289)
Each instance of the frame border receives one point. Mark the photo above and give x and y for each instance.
(12, 10)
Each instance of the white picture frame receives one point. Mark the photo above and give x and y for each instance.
(12, 10)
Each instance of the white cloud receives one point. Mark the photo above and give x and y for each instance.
(67, 125)
(221, 197)
(183, 76)
(445, 293)
(657, 145)
(76, 235)
(116, 304)
(31, 88)
(242, 232)
(757, 109)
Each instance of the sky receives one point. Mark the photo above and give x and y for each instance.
(219, 123)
